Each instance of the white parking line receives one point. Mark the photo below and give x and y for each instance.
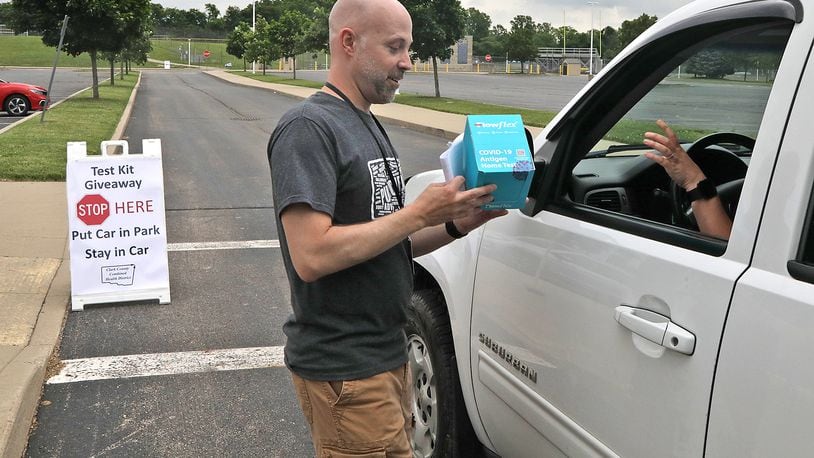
(148, 365)
(236, 245)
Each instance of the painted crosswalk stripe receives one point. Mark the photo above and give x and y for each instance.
(231, 245)
(148, 365)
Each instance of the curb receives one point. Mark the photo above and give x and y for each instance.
(125, 119)
(22, 379)
(277, 89)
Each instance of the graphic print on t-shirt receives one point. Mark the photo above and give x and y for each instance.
(383, 197)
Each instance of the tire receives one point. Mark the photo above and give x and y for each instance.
(442, 427)
(16, 105)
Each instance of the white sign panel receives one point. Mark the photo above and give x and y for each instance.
(116, 225)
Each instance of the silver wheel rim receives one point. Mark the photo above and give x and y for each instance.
(425, 402)
(16, 105)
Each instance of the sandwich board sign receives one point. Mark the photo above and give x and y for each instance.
(116, 224)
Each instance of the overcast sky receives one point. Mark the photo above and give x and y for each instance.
(574, 13)
(577, 12)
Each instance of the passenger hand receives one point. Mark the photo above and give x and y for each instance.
(442, 202)
(681, 168)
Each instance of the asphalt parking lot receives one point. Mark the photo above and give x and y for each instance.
(67, 81)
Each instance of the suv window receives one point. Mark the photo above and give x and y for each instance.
(719, 85)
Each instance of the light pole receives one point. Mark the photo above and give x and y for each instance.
(563, 64)
(254, 16)
(600, 36)
(591, 54)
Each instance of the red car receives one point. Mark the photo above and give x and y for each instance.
(18, 98)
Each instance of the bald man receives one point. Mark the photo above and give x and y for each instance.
(348, 239)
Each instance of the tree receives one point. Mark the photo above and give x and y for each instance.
(6, 13)
(213, 20)
(437, 25)
(631, 29)
(546, 36)
(315, 36)
(212, 12)
(710, 63)
(477, 24)
(287, 33)
(238, 40)
(494, 43)
(521, 44)
(95, 25)
(609, 39)
(260, 45)
(136, 51)
(232, 17)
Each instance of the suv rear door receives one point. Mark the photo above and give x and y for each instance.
(557, 369)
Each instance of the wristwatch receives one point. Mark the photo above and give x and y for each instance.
(453, 231)
(705, 190)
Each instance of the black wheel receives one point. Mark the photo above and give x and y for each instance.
(17, 105)
(442, 427)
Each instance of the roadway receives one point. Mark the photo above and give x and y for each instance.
(214, 138)
(217, 191)
(741, 102)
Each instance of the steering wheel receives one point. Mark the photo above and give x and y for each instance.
(720, 165)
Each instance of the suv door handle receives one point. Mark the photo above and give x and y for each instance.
(656, 328)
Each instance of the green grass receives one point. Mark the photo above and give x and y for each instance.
(272, 78)
(22, 51)
(536, 118)
(626, 131)
(631, 132)
(36, 151)
(171, 49)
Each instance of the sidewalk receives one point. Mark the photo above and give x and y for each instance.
(445, 125)
(34, 268)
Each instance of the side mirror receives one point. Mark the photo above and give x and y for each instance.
(534, 189)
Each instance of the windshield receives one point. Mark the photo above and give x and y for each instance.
(723, 87)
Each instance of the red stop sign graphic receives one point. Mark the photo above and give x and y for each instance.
(93, 209)
(207, 53)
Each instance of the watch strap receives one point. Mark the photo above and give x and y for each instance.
(453, 231)
(704, 190)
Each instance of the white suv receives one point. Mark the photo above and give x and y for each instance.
(599, 321)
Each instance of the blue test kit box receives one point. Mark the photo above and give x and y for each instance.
(495, 151)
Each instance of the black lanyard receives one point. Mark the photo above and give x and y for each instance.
(395, 185)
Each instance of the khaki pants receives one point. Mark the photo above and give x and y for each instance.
(359, 418)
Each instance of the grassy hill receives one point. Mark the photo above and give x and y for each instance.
(22, 51)
(175, 50)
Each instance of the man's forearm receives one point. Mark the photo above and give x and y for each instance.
(319, 248)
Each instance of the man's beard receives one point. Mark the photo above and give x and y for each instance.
(383, 92)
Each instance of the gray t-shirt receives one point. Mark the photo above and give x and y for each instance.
(347, 325)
